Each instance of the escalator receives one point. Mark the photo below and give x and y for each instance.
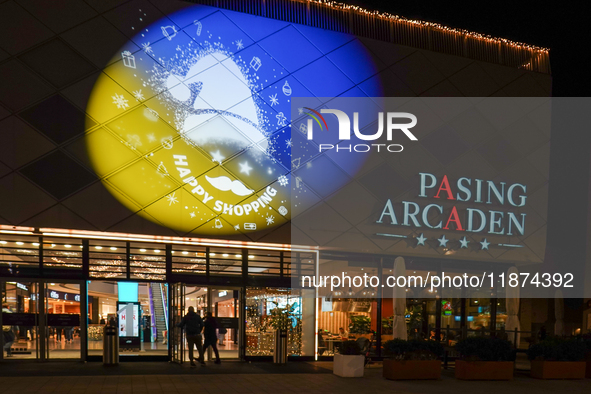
(159, 312)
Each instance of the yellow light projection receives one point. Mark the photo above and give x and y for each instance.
(184, 140)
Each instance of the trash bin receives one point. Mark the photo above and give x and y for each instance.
(280, 353)
(110, 346)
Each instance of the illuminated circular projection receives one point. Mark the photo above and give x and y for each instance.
(193, 115)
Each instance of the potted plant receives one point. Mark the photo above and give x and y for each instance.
(281, 320)
(349, 362)
(557, 358)
(360, 325)
(412, 359)
(485, 358)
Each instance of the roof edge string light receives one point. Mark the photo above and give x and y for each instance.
(384, 26)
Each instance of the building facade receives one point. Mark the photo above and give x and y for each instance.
(147, 166)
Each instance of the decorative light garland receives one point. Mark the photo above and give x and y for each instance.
(437, 26)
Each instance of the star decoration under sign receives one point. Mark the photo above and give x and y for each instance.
(443, 241)
(484, 244)
(464, 243)
(270, 219)
(421, 240)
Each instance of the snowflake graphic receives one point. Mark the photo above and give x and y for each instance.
(300, 111)
(283, 180)
(147, 48)
(120, 101)
(151, 137)
(139, 95)
(281, 119)
(172, 199)
(274, 100)
(192, 214)
(239, 45)
(288, 143)
(270, 219)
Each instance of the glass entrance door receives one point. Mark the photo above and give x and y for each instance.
(20, 320)
(225, 306)
(63, 307)
(177, 311)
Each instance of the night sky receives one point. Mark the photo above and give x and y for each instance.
(553, 27)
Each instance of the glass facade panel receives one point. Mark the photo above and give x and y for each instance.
(260, 318)
(147, 261)
(63, 255)
(19, 255)
(62, 306)
(107, 259)
(20, 316)
(106, 302)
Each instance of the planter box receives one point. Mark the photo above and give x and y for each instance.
(348, 366)
(558, 369)
(412, 369)
(484, 370)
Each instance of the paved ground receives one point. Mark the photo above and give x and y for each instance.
(197, 381)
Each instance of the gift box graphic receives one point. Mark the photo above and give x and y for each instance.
(128, 59)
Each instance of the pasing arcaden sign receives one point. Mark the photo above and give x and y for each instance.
(463, 204)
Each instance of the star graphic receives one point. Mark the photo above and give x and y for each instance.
(281, 119)
(274, 100)
(484, 244)
(288, 143)
(151, 137)
(192, 214)
(239, 44)
(217, 156)
(237, 227)
(300, 111)
(245, 168)
(443, 241)
(172, 199)
(464, 243)
(421, 240)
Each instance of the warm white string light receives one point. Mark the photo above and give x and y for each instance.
(436, 26)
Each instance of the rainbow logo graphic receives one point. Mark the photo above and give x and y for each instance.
(316, 118)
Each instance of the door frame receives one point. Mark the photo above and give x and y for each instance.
(241, 314)
(177, 354)
(176, 310)
(44, 328)
(38, 315)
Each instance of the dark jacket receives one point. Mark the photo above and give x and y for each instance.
(211, 325)
(192, 323)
